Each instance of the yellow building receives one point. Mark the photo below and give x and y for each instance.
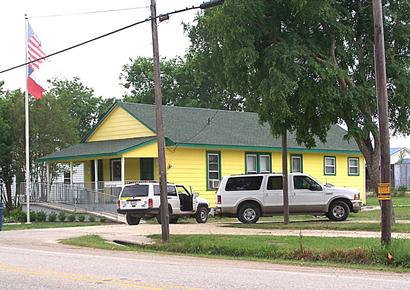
(202, 145)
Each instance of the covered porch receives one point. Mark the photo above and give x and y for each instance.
(107, 166)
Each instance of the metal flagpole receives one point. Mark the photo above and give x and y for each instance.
(26, 108)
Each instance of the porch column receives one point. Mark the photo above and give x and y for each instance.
(123, 171)
(96, 180)
(47, 182)
(96, 174)
(71, 173)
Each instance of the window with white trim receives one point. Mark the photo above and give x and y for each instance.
(258, 163)
(330, 165)
(296, 163)
(251, 164)
(264, 163)
(214, 166)
(353, 166)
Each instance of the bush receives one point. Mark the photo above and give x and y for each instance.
(103, 219)
(81, 218)
(71, 217)
(61, 216)
(91, 219)
(52, 217)
(33, 216)
(22, 217)
(41, 216)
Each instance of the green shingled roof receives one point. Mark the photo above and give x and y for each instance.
(197, 127)
(213, 128)
(99, 148)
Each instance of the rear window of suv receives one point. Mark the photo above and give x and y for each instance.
(135, 190)
(244, 183)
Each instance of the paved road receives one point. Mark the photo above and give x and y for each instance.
(32, 259)
(68, 268)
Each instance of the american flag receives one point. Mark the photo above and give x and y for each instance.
(34, 52)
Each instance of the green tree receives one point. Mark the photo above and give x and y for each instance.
(82, 105)
(307, 65)
(180, 83)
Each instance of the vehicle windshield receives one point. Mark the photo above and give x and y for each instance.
(135, 190)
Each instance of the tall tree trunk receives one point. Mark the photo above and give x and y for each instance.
(9, 199)
(373, 169)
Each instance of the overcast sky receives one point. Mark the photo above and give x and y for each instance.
(98, 64)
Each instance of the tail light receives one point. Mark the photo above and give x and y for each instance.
(118, 203)
(150, 202)
(218, 199)
(357, 196)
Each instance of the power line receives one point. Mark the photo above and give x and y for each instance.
(90, 12)
(99, 37)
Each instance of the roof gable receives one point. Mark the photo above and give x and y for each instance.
(118, 124)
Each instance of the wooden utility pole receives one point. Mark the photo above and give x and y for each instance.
(382, 106)
(285, 177)
(160, 128)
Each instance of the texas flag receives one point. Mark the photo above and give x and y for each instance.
(34, 52)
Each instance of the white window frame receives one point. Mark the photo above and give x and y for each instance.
(256, 164)
(301, 163)
(349, 166)
(326, 166)
(269, 163)
(211, 182)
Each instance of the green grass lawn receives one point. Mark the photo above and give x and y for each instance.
(397, 201)
(359, 252)
(48, 225)
(322, 225)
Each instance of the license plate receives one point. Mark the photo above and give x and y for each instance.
(133, 203)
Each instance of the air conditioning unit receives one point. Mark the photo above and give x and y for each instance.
(214, 183)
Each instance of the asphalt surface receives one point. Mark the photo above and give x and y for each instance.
(33, 259)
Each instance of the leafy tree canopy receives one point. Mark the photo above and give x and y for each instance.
(181, 85)
(306, 65)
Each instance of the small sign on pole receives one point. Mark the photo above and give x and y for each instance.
(383, 191)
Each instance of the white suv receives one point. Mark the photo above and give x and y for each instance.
(250, 196)
(142, 200)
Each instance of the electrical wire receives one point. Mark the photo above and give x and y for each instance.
(89, 12)
(99, 37)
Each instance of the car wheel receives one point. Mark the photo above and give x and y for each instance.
(132, 220)
(173, 220)
(338, 211)
(201, 214)
(249, 213)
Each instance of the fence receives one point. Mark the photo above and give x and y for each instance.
(78, 195)
(402, 175)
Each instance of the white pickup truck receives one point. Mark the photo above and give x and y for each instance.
(142, 200)
(249, 197)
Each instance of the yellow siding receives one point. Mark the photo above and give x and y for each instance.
(120, 125)
(188, 167)
(148, 151)
(87, 171)
(132, 169)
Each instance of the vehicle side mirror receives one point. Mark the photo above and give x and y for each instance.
(196, 194)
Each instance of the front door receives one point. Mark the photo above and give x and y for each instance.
(147, 168)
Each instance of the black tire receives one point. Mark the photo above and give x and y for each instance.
(173, 220)
(338, 211)
(132, 220)
(201, 214)
(249, 213)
